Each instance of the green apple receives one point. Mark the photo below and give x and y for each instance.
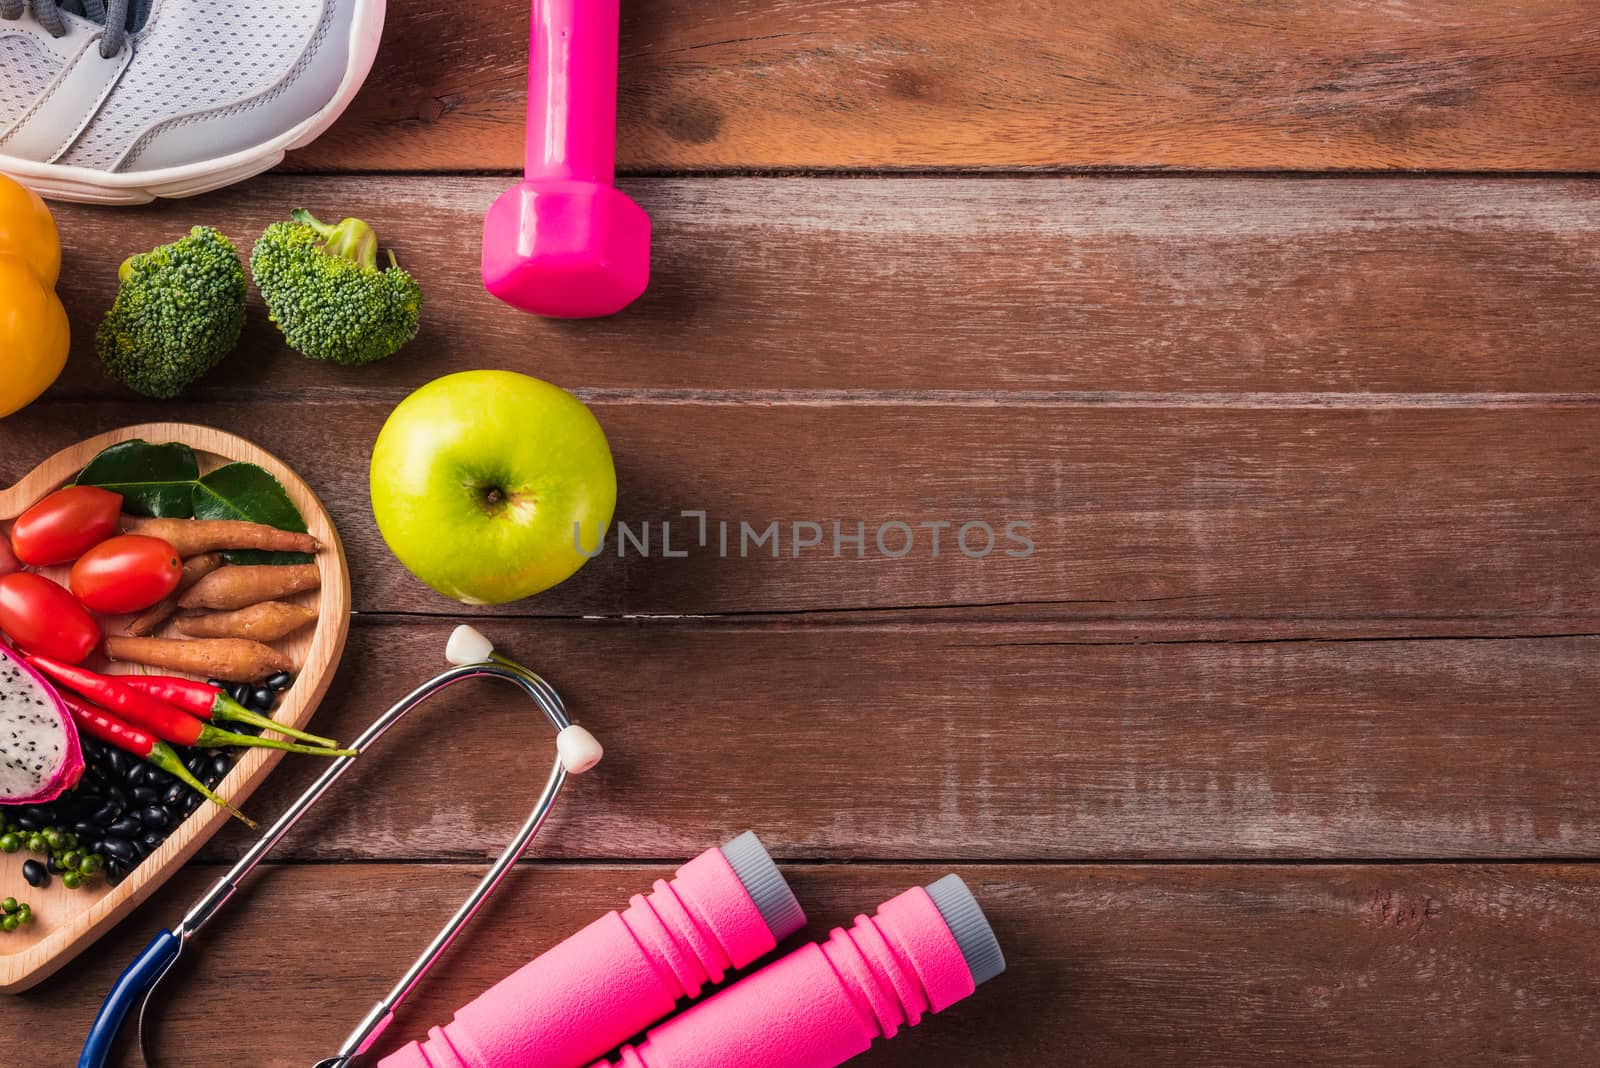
(479, 479)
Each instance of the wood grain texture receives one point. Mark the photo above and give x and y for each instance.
(68, 921)
(1138, 512)
(1007, 743)
(855, 84)
(1311, 465)
(1112, 966)
(1329, 291)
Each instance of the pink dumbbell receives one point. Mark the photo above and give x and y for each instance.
(824, 1004)
(725, 909)
(565, 242)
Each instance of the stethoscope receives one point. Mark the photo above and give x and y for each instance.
(473, 657)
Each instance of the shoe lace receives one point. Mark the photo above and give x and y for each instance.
(112, 14)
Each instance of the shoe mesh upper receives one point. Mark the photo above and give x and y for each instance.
(25, 69)
(193, 55)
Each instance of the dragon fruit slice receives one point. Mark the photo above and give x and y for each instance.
(39, 753)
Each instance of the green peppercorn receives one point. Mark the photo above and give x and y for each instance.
(69, 841)
(9, 924)
(37, 844)
(53, 838)
(25, 913)
(9, 905)
(92, 863)
(9, 843)
(72, 880)
(71, 859)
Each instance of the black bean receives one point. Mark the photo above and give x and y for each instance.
(117, 795)
(196, 763)
(146, 795)
(64, 810)
(279, 682)
(27, 822)
(139, 775)
(240, 692)
(118, 761)
(174, 794)
(152, 839)
(153, 816)
(125, 826)
(192, 803)
(105, 814)
(35, 873)
(220, 765)
(120, 848)
(261, 699)
(54, 866)
(85, 829)
(216, 684)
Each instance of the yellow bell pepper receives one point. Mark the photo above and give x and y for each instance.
(34, 335)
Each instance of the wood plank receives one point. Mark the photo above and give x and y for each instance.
(1137, 512)
(1048, 286)
(821, 84)
(1125, 966)
(1003, 743)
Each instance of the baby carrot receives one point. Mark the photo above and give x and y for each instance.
(233, 659)
(193, 536)
(237, 585)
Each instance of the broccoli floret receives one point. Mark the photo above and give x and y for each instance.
(179, 311)
(323, 289)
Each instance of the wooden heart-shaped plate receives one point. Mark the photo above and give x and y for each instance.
(66, 921)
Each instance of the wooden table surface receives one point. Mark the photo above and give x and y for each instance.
(1280, 748)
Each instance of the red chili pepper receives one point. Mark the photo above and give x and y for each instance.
(212, 702)
(159, 718)
(98, 723)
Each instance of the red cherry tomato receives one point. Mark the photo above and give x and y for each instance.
(43, 618)
(128, 573)
(65, 525)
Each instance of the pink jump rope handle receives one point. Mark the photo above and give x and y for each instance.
(565, 242)
(723, 910)
(824, 1004)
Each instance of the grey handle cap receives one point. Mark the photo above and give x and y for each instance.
(765, 884)
(970, 926)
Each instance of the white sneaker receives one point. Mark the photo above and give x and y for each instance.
(169, 98)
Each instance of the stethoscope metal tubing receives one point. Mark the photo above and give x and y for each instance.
(141, 978)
